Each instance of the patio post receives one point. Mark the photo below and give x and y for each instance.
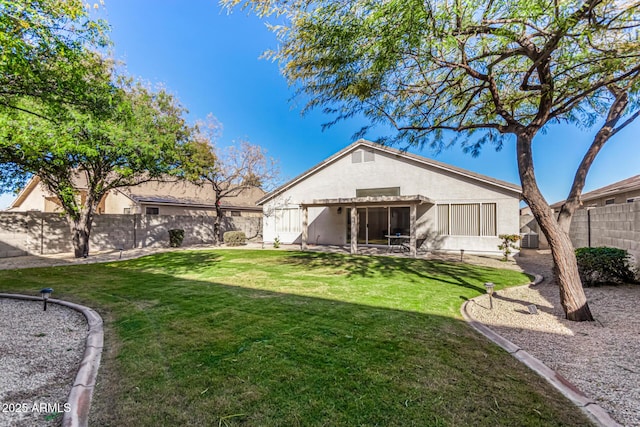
(354, 229)
(413, 240)
(305, 228)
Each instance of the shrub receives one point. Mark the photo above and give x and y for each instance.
(234, 238)
(508, 243)
(176, 236)
(604, 265)
(276, 242)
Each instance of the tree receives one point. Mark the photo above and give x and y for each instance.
(229, 171)
(48, 53)
(482, 70)
(142, 139)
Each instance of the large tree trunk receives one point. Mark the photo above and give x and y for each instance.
(81, 231)
(608, 129)
(572, 297)
(217, 238)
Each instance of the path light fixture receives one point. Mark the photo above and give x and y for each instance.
(489, 286)
(46, 293)
(461, 254)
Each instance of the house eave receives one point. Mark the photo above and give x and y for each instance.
(369, 201)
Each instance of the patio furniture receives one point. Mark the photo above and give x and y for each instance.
(399, 242)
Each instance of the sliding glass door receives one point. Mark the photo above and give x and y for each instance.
(376, 223)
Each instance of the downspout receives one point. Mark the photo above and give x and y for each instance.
(589, 227)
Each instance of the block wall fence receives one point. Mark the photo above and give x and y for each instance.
(37, 233)
(616, 226)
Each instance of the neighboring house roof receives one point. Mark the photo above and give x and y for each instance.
(175, 193)
(181, 193)
(624, 186)
(399, 153)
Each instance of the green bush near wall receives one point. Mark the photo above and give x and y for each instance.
(604, 265)
(234, 238)
(176, 236)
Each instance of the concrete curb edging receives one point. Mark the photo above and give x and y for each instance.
(594, 411)
(84, 383)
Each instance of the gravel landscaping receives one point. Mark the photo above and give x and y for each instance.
(600, 358)
(41, 352)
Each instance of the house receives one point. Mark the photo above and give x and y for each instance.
(150, 198)
(625, 191)
(369, 194)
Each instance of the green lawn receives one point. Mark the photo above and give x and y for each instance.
(261, 338)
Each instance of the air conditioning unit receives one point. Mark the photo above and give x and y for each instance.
(530, 241)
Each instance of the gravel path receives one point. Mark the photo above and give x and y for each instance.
(40, 352)
(601, 358)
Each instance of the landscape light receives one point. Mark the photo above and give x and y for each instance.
(46, 293)
(489, 286)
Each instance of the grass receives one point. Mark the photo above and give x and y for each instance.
(272, 338)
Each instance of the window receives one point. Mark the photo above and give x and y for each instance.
(630, 200)
(236, 213)
(127, 211)
(368, 192)
(288, 220)
(467, 219)
(360, 156)
(152, 211)
(443, 220)
(488, 219)
(368, 156)
(609, 201)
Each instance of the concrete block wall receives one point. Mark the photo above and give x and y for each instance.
(614, 225)
(13, 234)
(38, 233)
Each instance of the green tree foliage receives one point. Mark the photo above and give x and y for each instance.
(483, 70)
(47, 52)
(461, 65)
(83, 156)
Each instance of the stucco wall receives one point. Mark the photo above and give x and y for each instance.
(614, 225)
(341, 178)
(35, 201)
(617, 198)
(48, 233)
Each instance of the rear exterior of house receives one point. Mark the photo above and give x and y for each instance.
(368, 194)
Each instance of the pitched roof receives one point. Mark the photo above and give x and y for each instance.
(182, 193)
(628, 184)
(170, 192)
(399, 153)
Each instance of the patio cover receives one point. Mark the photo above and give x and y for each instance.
(370, 200)
(355, 202)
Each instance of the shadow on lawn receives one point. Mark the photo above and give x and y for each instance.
(178, 262)
(387, 266)
(205, 350)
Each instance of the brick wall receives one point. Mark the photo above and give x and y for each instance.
(614, 225)
(48, 233)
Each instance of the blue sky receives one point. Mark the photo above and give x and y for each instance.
(210, 60)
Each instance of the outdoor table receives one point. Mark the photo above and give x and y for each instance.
(398, 241)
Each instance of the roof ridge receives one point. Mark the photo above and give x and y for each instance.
(391, 150)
